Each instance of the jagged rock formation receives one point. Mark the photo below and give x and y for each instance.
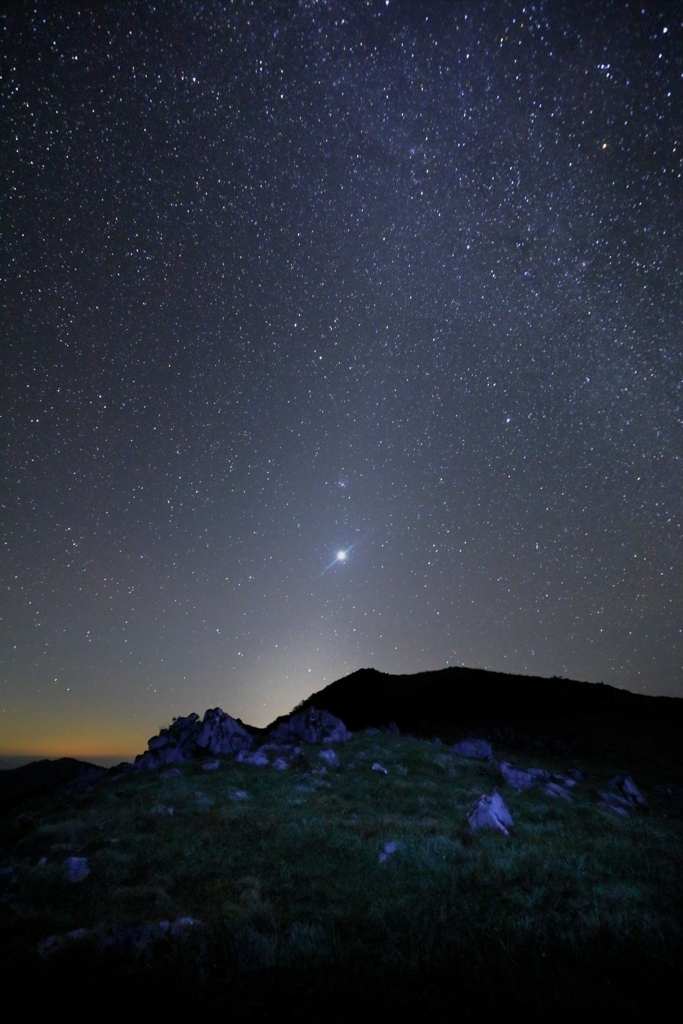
(185, 738)
(219, 734)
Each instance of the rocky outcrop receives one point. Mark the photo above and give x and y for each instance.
(185, 738)
(311, 726)
(221, 734)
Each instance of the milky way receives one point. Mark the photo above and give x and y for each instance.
(401, 280)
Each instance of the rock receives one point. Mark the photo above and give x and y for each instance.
(257, 758)
(163, 810)
(630, 790)
(436, 741)
(389, 849)
(280, 764)
(555, 790)
(523, 778)
(575, 774)
(490, 812)
(171, 745)
(182, 923)
(210, 766)
(616, 800)
(221, 734)
(76, 868)
(172, 773)
(311, 726)
(377, 767)
(393, 728)
(614, 808)
(371, 731)
(480, 750)
(330, 758)
(239, 794)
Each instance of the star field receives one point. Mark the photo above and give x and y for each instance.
(283, 280)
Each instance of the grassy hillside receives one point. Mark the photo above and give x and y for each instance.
(267, 887)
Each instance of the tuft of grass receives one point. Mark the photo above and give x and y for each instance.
(285, 889)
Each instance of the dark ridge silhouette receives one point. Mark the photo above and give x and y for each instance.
(39, 777)
(561, 714)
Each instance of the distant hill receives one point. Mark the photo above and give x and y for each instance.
(40, 777)
(531, 711)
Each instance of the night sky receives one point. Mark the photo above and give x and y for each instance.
(284, 280)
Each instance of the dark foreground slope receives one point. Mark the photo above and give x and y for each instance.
(527, 712)
(342, 886)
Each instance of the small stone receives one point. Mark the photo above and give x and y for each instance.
(330, 758)
(173, 773)
(76, 868)
(257, 758)
(239, 794)
(389, 849)
(162, 809)
(280, 764)
(377, 767)
(210, 766)
(182, 923)
(50, 945)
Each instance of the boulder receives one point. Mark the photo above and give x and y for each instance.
(221, 734)
(629, 789)
(490, 812)
(523, 778)
(330, 758)
(311, 726)
(76, 868)
(480, 750)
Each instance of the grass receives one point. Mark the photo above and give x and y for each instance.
(576, 910)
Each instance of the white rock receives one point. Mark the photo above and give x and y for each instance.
(555, 790)
(523, 778)
(377, 767)
(389, 849)
(621, 811)
(76, 868)
(162, 809)
(490, 812)
(257, 758)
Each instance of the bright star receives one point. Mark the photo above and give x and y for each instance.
(341, 556)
